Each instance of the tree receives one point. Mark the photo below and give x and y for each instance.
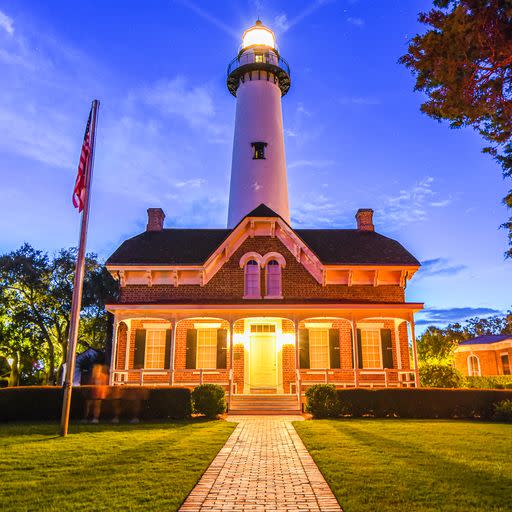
(36, 291)
(490, 325)
(437, 344)
(464, 65)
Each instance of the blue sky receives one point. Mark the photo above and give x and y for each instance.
(354, 134)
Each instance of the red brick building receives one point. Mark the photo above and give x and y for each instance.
(260, 307)
(484, 356)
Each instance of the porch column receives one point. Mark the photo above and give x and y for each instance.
(231, 362)
(397, 340)
(174, 328)
(113, 352)
(355, 352)
(415, 355)
(128, 335)
(297, 366)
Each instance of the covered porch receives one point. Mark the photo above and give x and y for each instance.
(278, 350)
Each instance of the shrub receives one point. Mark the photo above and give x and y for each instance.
(491, 382)
(503, 411)
(322, 401)
(209, 399)
(43, 403)
(439, 375)
(421, 403)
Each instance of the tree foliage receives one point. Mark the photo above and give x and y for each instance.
(463, 62)
(439, 344)
(35, 305)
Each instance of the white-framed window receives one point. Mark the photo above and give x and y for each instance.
(252, 280)
(206, 349)
(371, 348)
(473, 366)
(273, 281)
(155, 348)
(263, 328)
(319, 348)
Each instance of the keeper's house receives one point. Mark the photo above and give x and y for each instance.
(484, 356)
(262, 308)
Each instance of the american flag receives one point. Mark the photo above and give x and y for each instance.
(85, 155)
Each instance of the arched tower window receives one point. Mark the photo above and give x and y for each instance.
(252, 280)
(273, 279)
(473, 366)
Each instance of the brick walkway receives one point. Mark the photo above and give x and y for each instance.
(263, 466)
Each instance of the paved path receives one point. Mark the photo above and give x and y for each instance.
(263, 466)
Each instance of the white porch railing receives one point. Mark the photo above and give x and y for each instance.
(371, 378)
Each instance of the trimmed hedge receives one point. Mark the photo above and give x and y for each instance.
(209, 399)
(429, 403)
(43, 403)
(322, 401)
(491, 382)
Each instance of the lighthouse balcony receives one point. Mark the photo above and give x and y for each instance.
(264, 60)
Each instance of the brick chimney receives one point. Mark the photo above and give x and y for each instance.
(156, 218)
(364, 218)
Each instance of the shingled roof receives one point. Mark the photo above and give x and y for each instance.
(194, 246)
(487, 340)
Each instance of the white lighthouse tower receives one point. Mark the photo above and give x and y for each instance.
(258, 77)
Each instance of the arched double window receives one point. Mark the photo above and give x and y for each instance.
(273, 279)
(473, 366)
(252, 280)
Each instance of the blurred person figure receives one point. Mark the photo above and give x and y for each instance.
(98, 393)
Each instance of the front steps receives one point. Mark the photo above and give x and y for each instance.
(264, 404)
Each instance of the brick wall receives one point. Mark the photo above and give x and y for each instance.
(490, 361)
(227, 286)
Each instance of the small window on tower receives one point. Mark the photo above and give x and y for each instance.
(258, 150)
(258, 57)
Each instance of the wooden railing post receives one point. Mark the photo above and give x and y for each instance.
(231, 363)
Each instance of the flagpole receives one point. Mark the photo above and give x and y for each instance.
(76, 303)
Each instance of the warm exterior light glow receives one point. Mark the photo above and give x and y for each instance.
(258, 35)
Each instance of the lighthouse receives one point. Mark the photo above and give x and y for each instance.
(258, 77)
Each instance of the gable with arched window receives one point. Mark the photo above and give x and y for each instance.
(473, 366)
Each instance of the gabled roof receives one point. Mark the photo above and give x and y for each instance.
(194, 246)
(262, 211)
(169, 247)
(354, 247)
(487, 340)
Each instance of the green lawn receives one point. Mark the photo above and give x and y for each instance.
(105, 467)
(413, 465)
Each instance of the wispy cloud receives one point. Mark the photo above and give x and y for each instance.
(358, 22)
(319, 164)
(6, 23)
(210, 18)
(412, 205)
(319, 210)
(359, 100)
(442, 317)
(193, 183)
(439, 267)
(306, 12)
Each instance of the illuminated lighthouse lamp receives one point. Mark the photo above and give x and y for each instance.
(258, 35)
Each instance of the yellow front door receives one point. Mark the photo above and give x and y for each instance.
(263, 362)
